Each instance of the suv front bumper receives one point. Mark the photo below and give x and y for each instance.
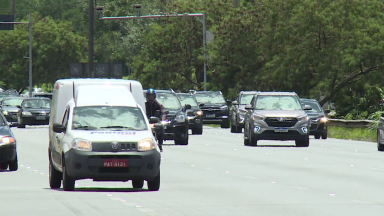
(174, 131)
(90, 165)
(261, 131)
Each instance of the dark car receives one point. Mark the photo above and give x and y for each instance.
(8, 106)
(176, 126)
(317, 117)
(34, 111)
(215, 109)
(238, 111)
(277, 116)
(195, 114)
(8, 152)
(44, 95)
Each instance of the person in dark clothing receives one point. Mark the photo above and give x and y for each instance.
(154, 108)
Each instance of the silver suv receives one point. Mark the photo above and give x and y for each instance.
(276, 116)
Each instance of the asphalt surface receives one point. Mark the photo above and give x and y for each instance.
(214, 175)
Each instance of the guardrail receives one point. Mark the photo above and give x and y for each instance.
(350, 123)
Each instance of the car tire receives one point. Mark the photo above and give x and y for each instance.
(197, 131)
(302, 143)
(233, 129)
(252, 141)
(224, 124)
(68, 182)
(324, 135)
(137, 184)
(154, 184)
(380, 146)
(54, 176)
(182, 141)
(13, 165)
(3, 166)
(317, 136)
(20, 123)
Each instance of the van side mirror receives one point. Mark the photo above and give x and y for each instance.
(187, 106)
(307, 107)
(154, 120)
(248, 107)
(235, 103)
(327, 111)
(59, 128)
(201, 105)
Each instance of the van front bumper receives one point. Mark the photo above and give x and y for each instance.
(90, 165)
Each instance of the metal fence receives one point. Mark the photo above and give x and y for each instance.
(350, 123)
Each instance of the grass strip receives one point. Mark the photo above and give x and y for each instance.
(361, 134)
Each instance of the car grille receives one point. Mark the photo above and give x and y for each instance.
(39, 114)
(190, 113)
(128, 146)
(281, 122)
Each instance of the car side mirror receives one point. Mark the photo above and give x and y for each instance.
(327, 111)
(59, 128)
(154, 120)
(187, 106)
(248, 107)
(307, 107)
(18, 106)
(235, 103)
(201, 105)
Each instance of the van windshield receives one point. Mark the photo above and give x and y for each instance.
(108, 117)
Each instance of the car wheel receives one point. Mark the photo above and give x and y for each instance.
(380, 146)
(317, 136)
(198, 131)
(68, 182)
(20, 123)
(137, 184)
(224, 124)
(233, 129)
(54, 176)
(252, 141)
(3, 166)
(13, 165)
(324, 135)
(154, 184)
(302, 143)
(182, 141)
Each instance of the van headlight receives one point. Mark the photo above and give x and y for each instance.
(146, 145)
(6, 140)
(303, 118)
(82, 144)
(180, 118)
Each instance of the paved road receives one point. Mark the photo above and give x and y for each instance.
(214, 175)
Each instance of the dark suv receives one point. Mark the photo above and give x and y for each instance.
(176, 126)
(317, 118)
(195, 114)
(215, 109)
(238, 111)
(34, 111)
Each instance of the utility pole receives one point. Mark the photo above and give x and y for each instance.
(205, 51)
(14, 8)
(91, 16)
(30, 54)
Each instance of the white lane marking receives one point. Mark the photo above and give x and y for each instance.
(351, 165)
(235, 149)
(226, 171)
(192, 165)
(273, 182)
(305, 158)
(332, 194)
(266, 153)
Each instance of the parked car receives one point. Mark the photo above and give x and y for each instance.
(238, 111)
(195, 114)
(215, 109)
(8, 151)
(317, 117)
(9, 108)
(34, 111)
(277, 116)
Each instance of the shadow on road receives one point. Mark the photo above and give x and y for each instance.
(286, 146)
(98, 189)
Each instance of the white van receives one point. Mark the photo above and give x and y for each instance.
(98, 130)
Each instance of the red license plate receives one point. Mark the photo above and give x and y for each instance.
(115, 163)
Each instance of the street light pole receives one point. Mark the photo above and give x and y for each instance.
(30, 54)
(205, 49)
(91, 15)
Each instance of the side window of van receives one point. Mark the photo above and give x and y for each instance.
(65, 119)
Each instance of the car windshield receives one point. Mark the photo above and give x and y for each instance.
(37, 103)
(169, 101)
(13, 102)
(315, 106)
(213, 98)
(246, 99)
(277, 102)
(188, 99)
(108, 117)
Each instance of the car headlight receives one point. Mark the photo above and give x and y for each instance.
(257, 117)
(6, 140)
(323, 119)
(81, 144)
(5, 112)
(224, 107)
(303, 118)
(180, 118)
(199, 112)
(146, 145)
(25, 113)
